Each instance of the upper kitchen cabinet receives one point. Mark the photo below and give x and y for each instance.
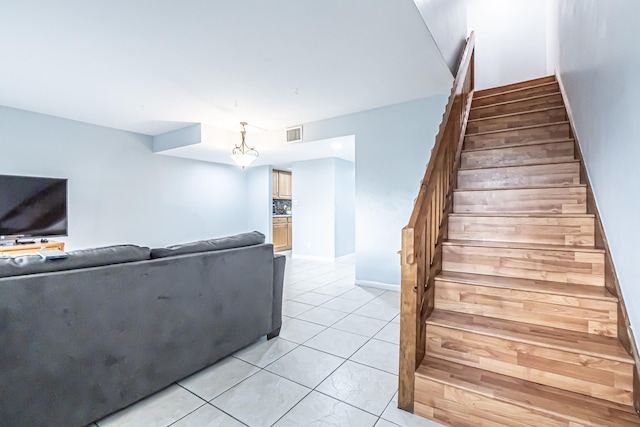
(281, 184)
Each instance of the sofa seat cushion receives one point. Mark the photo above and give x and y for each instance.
(84, 258)
(229, 242)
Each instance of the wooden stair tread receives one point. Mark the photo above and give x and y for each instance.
(581, 409)
(520, 166)
(530, 285)
(521, 188)
(519, 144)
(542, 336)
(524, 215)
(524, 84)
(548, 162)
(513, 101)
(511, 245)
(561, 162)
(491, 132)
(500, 116)
(512, 91)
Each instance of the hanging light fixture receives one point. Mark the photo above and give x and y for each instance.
(242, 154)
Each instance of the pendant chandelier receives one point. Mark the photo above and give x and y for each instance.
(242, 154)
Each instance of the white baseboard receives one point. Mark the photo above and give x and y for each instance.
(349, 257)
(378, 285)
(323, 259)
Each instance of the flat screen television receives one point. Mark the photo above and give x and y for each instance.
(32, 207)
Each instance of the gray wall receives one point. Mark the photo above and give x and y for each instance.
(345, 206)
(392, 149)
(119, 191)
(599, 64)
(447, 23)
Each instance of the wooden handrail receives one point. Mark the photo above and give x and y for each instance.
(421, 254)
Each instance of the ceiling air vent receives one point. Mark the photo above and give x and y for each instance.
(294, 134)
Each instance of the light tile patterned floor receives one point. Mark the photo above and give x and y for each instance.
(334, 364)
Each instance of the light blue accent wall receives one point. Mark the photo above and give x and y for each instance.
(313, 198)
(188, 135)
(258, 200)
(393, 146)
(119, 191)
(345, 207)
(599, 64)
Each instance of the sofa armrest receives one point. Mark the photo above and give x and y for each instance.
(279, 262)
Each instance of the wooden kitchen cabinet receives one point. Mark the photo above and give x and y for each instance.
(282, 233)
(289, 233)
(284, 185)
(281, 184)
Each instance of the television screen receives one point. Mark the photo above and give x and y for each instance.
(32, 206)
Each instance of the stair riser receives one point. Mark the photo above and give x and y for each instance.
(569, 200)
(458, 407)
(558, 311)
(520, 176)
(586, 374)
(514, 86)
(517, 136)
(585, 268)
(564, 231)
(479, 101)
(544, 101)
(519, 156)
(516, 121)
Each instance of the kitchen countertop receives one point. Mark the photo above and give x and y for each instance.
(281, 215)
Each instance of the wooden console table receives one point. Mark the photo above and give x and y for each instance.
(17, 250)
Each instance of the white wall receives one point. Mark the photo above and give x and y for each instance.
(392, 149)
(345, 207)
(119, 191)
(510, 40)
(313, 198)
(552, 28)
(447, 23)
(258, 200)
(599, 64)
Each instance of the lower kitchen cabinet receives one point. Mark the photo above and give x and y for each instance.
(282, 233)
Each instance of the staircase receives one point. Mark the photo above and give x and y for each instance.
(522, 330)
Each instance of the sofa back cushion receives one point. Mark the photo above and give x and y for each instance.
(229, 242)
(84, 258)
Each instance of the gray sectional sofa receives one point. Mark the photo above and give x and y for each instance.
(88, 335)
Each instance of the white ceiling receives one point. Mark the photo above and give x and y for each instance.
(152, 66)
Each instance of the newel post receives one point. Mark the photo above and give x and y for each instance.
(408, 315)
